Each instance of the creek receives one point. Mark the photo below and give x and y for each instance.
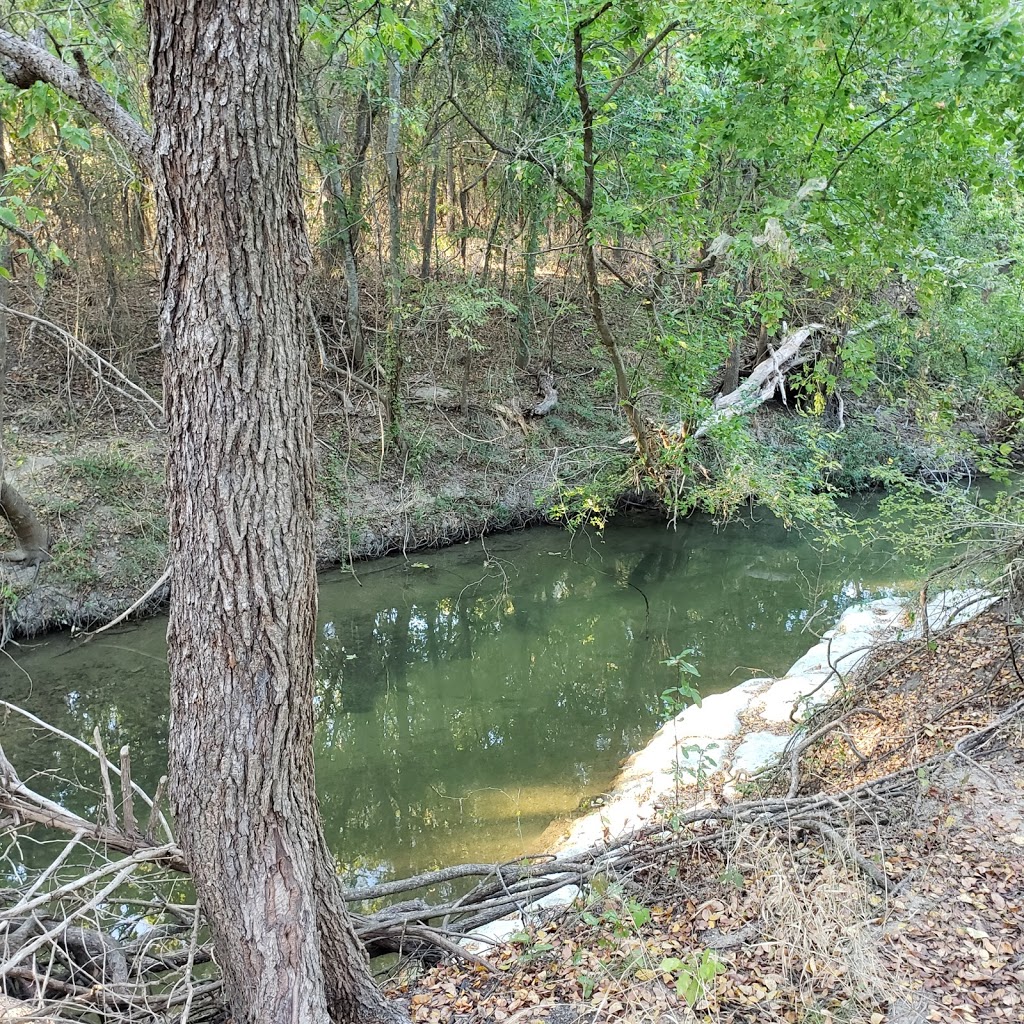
(468, 698)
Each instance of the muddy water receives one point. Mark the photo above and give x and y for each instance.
(467, 698)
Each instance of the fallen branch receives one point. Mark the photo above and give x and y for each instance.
(165, 578)
(765, 380)
(805, 742)
(135, 979)
(86, 356)
(549, 395)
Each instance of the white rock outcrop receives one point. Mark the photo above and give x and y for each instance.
(742, 731)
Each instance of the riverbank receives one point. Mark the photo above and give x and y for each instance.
(102, 498)
(717, 749)
(101, 494)
(468, 458)
(713, 752)
(907, 907)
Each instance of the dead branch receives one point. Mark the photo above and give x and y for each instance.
(157, 970)
(805, 742)
(765, 379)
(103, 367)
(549, 395)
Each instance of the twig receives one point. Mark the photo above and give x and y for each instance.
(61, 811)
(164, 578)
(850, 852)
(82, 352)
(155, 815)
(52, 868)
(797, 752)
(108, 790)
(61, 926)
(127, 804)
(193, 945)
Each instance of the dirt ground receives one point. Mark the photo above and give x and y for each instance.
(921, 920)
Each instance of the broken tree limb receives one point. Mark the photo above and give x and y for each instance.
(549, 395)
(767, 377)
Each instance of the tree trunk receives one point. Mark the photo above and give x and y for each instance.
(764, 381)
(32, 537)
(450, 187)
(430, 217)
(463, 217)
(360, 144)
(95, 231)
(524, 321)
(341, 225)
(240, 487)
(485, 272)
(731, 379)
(585, 202)
(393, 356)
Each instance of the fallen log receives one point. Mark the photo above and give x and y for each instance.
(549, 395)
(765, 380)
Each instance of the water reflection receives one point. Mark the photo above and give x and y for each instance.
(466, 699)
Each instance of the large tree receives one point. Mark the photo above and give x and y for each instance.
(223, 159)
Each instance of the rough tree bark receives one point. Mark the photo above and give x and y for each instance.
(32, 537)
(240, 475)
(240, 483)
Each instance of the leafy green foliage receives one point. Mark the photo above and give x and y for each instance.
(758, 166)
(694, 974)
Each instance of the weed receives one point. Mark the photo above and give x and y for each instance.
(73, 560)
(421, 450)
(141, 556)
(56, 506)
(693, 974)
(533, 948)
(686, 771)
(111, 474)
(678, 698)
(619, 919)
(583, 506)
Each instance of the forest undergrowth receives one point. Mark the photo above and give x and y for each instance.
(86, 443)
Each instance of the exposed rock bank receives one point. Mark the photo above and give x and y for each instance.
(746, 729)
(710, 751)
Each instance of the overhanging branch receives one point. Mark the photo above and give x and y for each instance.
(520, 154)
(23, 63)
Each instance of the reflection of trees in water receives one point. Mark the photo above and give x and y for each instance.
(449, 708)
(519, 689)
(555, 679)
(79, 691)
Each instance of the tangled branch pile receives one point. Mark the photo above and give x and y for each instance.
(104, 921)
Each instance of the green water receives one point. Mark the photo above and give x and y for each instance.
(469, 698)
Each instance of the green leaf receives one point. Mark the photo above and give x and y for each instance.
(640, 914)
(78, 137)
